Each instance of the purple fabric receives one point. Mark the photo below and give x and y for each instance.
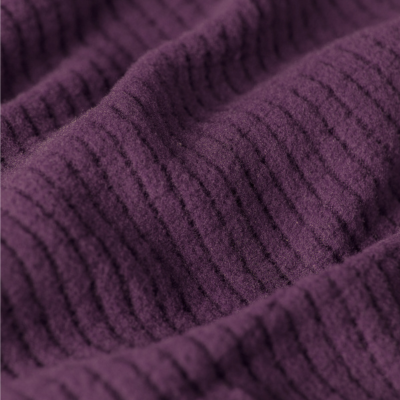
(200, 199)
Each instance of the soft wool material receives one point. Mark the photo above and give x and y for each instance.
(200, 199)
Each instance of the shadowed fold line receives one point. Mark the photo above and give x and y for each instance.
(22, 46)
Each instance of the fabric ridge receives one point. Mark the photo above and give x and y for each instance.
(200, 199)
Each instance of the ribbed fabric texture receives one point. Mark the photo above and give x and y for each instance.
(200, 199)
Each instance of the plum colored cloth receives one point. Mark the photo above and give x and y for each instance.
(200, 199)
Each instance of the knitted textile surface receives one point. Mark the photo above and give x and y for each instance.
(200, 199)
